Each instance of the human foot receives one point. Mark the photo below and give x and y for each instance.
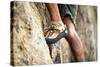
(55, 33)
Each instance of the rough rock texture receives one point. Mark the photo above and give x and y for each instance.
(27, 42)
(30, 21)
(86, 27)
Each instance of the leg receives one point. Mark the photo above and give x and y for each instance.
(68, 12)
(74, 40)
(55, 15)
(72, 37)
(55, 18)
(54, 12)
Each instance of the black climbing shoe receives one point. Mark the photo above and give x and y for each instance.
(51, 40)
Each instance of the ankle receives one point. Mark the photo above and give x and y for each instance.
(57, 25)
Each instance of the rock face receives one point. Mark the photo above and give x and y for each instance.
(28, 45)
(30, 21)
(86, 26)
